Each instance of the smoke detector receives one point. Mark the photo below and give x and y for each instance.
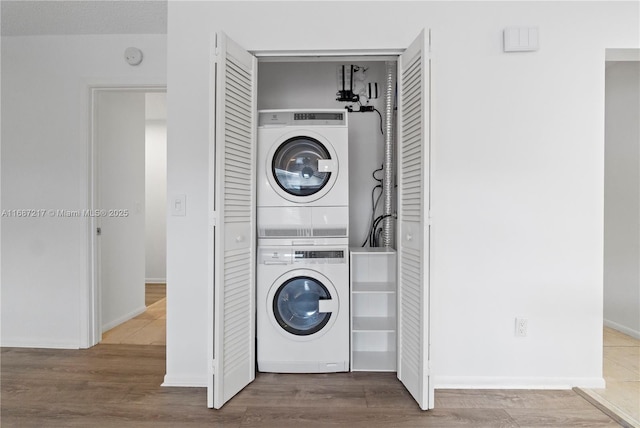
(133, 56)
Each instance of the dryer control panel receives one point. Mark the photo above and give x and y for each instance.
(307, 255)
(318, 254)
(275, 256)
(302, 117)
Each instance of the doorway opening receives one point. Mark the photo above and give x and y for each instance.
(129, 226)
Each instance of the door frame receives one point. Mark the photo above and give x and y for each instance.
(92, 334)
(613, 55)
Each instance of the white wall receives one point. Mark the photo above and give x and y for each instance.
(45, 165)
(517, 174)
(622, 198)
(156, 190)
(289, 85)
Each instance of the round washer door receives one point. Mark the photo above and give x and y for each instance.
(302, 167)
(297, 304)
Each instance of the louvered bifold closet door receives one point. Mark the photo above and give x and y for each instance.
(233, 222)
(413, 222)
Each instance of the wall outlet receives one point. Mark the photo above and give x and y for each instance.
(521, 327)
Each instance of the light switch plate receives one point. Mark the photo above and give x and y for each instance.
(179, 205)
(521, 39)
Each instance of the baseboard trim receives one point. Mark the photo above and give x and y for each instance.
(189, 381)
(481, 382)
(623, 329)
(37, 343)
(155, 280)
(127, 317)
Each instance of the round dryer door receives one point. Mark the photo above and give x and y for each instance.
(302, 167)
(296, 306)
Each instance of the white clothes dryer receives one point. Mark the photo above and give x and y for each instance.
(303, 309)
(302, 174)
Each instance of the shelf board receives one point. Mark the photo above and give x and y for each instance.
(371, 250)
(374, 361)
(373, 287)
(374, 324)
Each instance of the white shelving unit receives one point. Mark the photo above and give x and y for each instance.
(373, 309)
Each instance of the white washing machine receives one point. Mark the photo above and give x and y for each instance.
(303, 309)
(303, 177)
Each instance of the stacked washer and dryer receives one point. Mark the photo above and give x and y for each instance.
(303, 242)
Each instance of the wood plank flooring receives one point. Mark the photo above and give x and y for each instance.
(148, 328)
(119, 386)
(622, 374)
(621, 398)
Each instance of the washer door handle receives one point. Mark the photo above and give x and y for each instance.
(327, 305)
(327, 165)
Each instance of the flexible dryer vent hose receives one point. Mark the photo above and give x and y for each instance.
(387, 184)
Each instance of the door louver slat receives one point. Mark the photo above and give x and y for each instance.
(238, 132)
(236, 296)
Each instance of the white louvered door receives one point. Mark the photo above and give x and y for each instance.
(413, 221)
(232, 238)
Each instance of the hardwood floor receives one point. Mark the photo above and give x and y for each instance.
(622, 374)
(119, 386)
(148, 328)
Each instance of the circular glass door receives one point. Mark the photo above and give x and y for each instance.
(296, 307)
(295, 166)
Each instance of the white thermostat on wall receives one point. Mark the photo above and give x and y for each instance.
(521, 39)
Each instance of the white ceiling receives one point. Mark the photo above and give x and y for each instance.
(56, 17)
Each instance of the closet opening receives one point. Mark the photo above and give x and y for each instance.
(324, 220)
